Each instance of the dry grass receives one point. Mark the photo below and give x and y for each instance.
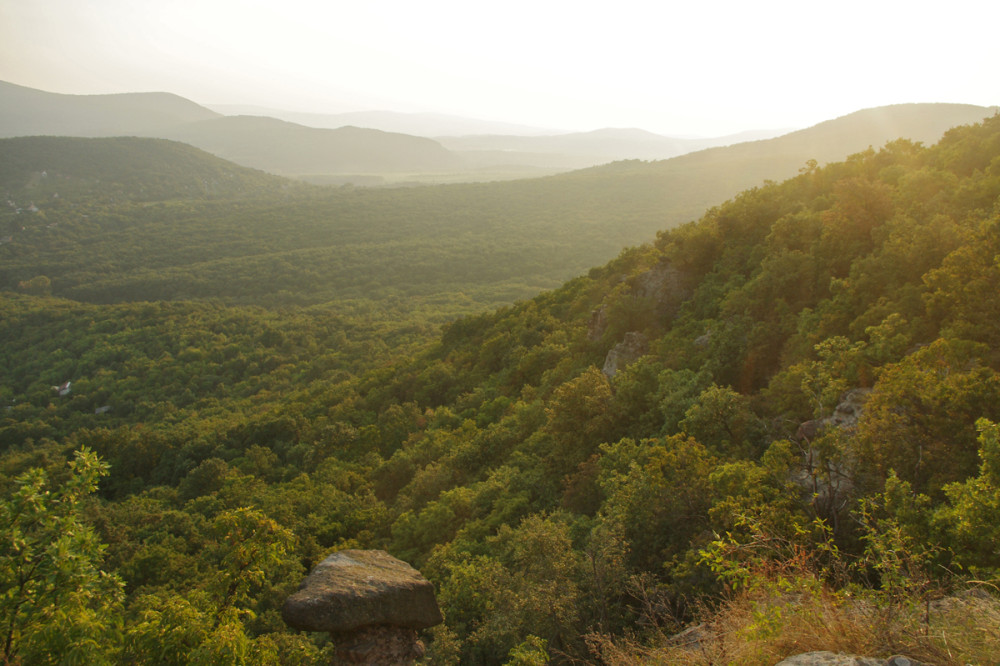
(759, 628)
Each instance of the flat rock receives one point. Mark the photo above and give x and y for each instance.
(825, 658)
(360, 588)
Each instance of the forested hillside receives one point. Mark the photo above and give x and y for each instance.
(113, 170)
(127, 219)
(776, 424)
(152, 220)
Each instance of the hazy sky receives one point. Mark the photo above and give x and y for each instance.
(691, 67)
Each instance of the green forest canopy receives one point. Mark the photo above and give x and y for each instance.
(561, 512)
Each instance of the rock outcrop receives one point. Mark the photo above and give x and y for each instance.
(838, 659)
(830, 479)
(845, 415)
(661, 289)
(371, 603)
(631, 348)
(666, 286)
(598, 323)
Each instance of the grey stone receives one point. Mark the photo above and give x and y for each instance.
(900, 660)
(665, 285)
(361, 588)
(381, 646)
(845, 415)
(694, 637)
(825, 658)
(850, 407)
(628, 350)
(703, 340)
(598, 323)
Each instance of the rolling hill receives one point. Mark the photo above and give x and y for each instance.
(370, 156)
(583, 149)
(285, 148)
(128, 168)
(264, 143)
(471, 245)
(430, 125)
(686, 185)
(29, 112)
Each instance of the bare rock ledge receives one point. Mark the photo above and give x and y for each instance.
(370, 603)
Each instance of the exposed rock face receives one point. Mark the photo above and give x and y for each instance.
(380, 646)
(631, 348)
(830, 480)
(664, 288)
(371, 604)
(849, 408)
(598, 323)
(664, 284)
(846, 415)
(703, 340)
(837, 659)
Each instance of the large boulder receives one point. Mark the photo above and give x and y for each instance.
(352, 589)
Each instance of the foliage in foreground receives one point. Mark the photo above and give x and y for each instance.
(564, 514)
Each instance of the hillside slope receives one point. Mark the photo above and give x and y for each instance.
(124, 167)
(777, 424)
(289, 149)
(30, 112)
(688, 184)
(264, 143)
(583, 149)
(786, 410)
(483, 244)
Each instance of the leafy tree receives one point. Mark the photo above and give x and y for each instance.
(970, 520)
(658, 491)
(251, 546)
(579, 418)
(722, 420)
(57, 603)
(920, 418)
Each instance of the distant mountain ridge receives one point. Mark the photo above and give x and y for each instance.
(360, 146)
(269, 144)
(372, 156)
(286, 148)
(510, 238)
(688, 184)
(483, 143)
(431, 125)
(27, 112)
(598, 146)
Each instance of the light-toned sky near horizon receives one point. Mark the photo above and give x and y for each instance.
(677, 68)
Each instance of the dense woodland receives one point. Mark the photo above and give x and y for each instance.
(226, 428)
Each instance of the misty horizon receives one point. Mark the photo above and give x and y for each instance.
(675, 71)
